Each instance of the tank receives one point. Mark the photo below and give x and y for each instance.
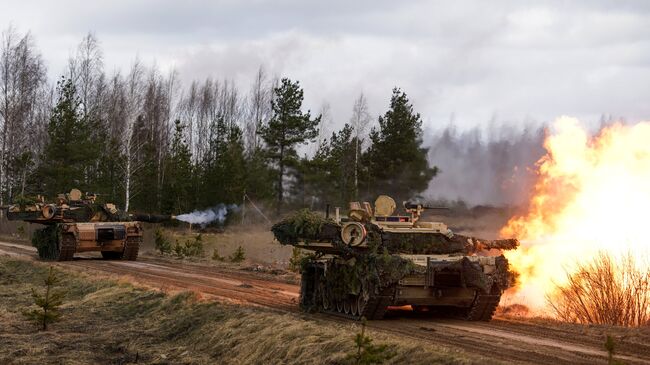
(77, 223)
(373, 259)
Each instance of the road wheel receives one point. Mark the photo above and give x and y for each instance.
(354, 305)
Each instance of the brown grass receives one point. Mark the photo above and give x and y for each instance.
(605, 291)
(106, 322)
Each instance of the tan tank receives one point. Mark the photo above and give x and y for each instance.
(76, 223)
(373, 259)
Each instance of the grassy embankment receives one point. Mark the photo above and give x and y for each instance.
(111, 322)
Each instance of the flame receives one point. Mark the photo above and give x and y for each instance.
(592, 195)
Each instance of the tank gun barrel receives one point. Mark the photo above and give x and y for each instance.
(152, 218)
(473, 244)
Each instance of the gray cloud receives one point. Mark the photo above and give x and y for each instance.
(508, 60)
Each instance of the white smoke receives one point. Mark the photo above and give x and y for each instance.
(217, 214)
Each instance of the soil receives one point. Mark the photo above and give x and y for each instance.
(509, 339)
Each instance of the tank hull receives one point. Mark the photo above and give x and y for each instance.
(467, 287)
(115, 240)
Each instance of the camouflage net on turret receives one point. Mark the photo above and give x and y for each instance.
(303, 226)
(46, 241)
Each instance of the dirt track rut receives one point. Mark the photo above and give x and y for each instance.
(501, 339)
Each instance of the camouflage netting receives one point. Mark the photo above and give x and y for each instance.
(305, 225)
(46, 241)
(365, 274)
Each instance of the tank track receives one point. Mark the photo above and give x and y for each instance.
(131, 248)
(67, 247)
(375, 308)
(315, 297)
(483, 307)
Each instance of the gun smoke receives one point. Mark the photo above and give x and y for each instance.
(493, 166)
(217, 214)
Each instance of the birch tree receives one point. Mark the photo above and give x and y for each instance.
(259, 110)
(359, 122)
(130, 147)
(22, 80)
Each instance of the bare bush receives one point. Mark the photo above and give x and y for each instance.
(605, 291)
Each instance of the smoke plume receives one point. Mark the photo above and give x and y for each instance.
(494, 166)
(216, 214)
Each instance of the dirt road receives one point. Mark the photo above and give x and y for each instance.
(519, 341)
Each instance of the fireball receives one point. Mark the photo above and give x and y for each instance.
(592, 195)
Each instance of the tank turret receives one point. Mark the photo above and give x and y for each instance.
(76, 222)
(374, 258)
(75, 207)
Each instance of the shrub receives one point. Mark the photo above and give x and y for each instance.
(48, 303)
(194, 248)
(191, 248)
(179, 249)
(367, 353)
(605, 291)
(161, 242)
(296, 260)
(239, 255)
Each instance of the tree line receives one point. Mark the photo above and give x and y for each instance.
(142, 140)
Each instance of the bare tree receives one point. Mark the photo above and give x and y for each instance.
(133, 106)
(86, 71)
(359, 121)
(259, 109)
(22, 79)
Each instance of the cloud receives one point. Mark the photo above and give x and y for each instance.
(473, 60)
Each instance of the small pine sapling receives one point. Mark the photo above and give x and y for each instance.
(238, 256)
(295, 261)
(179, 249)
(162, 243)
(366, 352)
(48, 304)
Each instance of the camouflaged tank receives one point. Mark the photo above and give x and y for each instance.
(374, 259)
(76, 223)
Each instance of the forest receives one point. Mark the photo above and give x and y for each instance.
(144, 141)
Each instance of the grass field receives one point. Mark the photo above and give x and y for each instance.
(113, 322)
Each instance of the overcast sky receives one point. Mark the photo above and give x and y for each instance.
(470, 62)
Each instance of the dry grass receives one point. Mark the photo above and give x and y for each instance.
(106, 322)
(605, 291)
(256, 241)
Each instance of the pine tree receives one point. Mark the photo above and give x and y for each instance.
(397, 164)
(48, 303)
(223, 177)
(258, 175)
(176, 192)
(329, 175)
(69, 152)
(288, 127)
